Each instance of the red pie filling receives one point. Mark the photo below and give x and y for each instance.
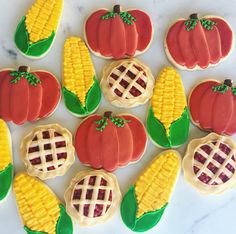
(214, 168)
(48, 146)
(133, 90)
(98, 209)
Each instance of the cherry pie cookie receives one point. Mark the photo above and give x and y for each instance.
(92, 197)
(127, 83)
(48, 151)
(209, 164)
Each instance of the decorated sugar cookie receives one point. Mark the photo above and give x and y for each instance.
(47, 151)
(27, 96)
(118, 34)
(198, 43)
(212, 106)
(40, 209)
(82, 93)
(145, 202)
(92, 197)
(36, 31)
(6, 166)
(168, 116)
(127, 83)
(209, 164)
(110, 141)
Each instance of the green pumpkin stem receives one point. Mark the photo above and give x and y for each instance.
(102, 123)
(228, 84)
(24, 72)
(193, 20)
(125, 16)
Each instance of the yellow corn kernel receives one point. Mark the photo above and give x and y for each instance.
(5, 146)
(43, 18)
(153, 188)
(168, 101)
(78, 68)
(38, 206)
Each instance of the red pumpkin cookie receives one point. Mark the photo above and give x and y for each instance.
(47, 151)
(92, 197)
(212, 106)
(199, 43)
(109, 141)
(118, 34)
(127, 83)
(27, 96)
(209, 164)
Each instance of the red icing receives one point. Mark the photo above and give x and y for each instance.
(22, 102)
(114, 38)
(199, 46)
(212, 110)
(113, 147)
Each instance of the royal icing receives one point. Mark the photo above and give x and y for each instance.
(168, 116)
(92, 197)
(145, 202)
(118, 34)
(199, 43)
(212, 106)
(109, 141)
(27, 96)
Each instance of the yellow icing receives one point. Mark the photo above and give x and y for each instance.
(38, 206)
(78, 68)
(168, 101)
(43, 18)
(153, 188)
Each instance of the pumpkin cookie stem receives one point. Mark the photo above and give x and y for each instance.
(102, 123)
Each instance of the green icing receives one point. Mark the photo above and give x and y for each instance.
(125, 16)
(207, 24)
(22, 42)
(129, 208)
(179, 130)
(64, 224)
(31, 78)
(93, 99)
(5, 181)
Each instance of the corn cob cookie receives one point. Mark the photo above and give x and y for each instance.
(6, 166)
(37, 29)
(145, 202)
(82, 93)
(168, 116)
(40, 210)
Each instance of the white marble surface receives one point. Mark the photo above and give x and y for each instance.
(188, 212)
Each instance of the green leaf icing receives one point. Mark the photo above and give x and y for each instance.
(178, 131)
(207, 24)
(128, 209)
(5, 181)
(64, 224)
(93, 99)
(224, 88)
(125, 16)
(31, 78)
(22, 42)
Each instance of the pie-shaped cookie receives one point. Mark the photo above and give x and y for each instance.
(47, 151)
(92, 197)
(127, 83)
(209, 164)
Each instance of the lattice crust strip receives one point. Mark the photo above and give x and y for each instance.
(221, 167)
(124, 75)
(106, 202)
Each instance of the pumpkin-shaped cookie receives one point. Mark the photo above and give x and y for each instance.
(198, 43)
(109, 141)
(212, 105)
(27, 96)
(118, 34)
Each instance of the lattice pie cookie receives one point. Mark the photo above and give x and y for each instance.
(92, 197)
(127, 83)
(209, 164)
(47, 151)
